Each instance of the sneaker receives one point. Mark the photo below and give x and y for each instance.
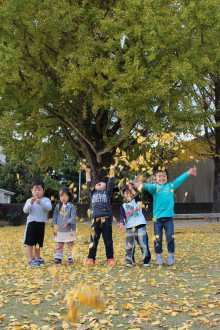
(57, 261)
(111, 262)
(146, 264)
(90, 262)
(130, 261)
(159, 260)
(40, 261)
(170, 260)
(70, 262)
(33, 262)
(129, 265)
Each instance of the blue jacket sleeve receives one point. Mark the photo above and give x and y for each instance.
(151, 188)
(90, 188)
(122, 214)
(176, 183)
(110, 185)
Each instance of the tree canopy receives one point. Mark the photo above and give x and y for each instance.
(78, 77)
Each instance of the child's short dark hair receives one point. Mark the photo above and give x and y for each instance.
(37, 183)
(66, 190)
(159, 171)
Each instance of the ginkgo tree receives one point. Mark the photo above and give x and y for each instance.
(79, 77)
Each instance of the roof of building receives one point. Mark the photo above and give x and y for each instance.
(7, 192)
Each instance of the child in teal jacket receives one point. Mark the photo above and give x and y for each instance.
(163, 209)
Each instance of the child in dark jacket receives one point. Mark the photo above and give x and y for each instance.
(101, 213)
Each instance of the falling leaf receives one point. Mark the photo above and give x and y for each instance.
(73, 252)
(53, 271)
(71, 186)
(52, 198)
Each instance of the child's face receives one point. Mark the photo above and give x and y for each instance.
(64, 198)
(100, 186)
(128, 195)
(161, 178)
(37, 191)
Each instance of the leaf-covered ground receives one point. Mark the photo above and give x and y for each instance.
(185, 296)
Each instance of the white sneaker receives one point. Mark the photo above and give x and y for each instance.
(146, 265)
(129, 265)
(159, 260)
(170, 260)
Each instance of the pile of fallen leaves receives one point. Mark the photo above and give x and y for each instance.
(184, 296)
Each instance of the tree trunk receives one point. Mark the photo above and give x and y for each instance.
(216, 195)
(100, 170)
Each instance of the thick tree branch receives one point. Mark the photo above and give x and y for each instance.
(64, 120)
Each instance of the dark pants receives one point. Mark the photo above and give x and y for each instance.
(104, 227)
(168, 226)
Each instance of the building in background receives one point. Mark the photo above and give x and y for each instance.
(2, 157)
(5, 195)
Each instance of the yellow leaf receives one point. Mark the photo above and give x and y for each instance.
(128, 306)
(55, 228)
(71, 186)
(114, 219)
(84, 186)
(73, 252)
(141, 204)
(133, 229)
(53, 271)
(51, 198)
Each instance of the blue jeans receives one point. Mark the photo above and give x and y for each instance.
(168, 225)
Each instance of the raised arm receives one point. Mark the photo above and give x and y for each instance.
(192, 171)
(88, 176)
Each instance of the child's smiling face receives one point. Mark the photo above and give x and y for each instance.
(128, 195)
(161, 177)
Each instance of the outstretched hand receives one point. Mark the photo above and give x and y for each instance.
(192, 171)
(136, 184)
